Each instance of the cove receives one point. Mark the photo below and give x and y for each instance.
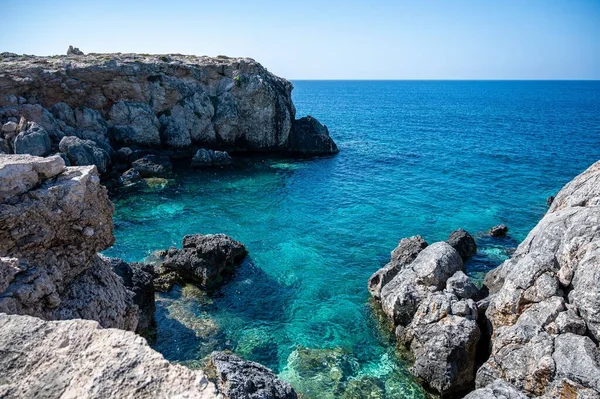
(415, 158)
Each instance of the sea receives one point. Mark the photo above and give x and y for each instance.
(416, 157)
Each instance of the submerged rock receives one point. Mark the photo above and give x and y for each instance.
(78, 359)
(208, 158)
(241, 379)
(499, 230)
(202, 260)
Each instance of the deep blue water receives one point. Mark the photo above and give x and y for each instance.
(416, 157)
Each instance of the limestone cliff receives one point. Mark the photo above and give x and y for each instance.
(151, 101)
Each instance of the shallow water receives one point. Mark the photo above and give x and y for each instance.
(415, 158)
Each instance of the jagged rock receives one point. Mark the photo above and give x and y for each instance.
(78, 359)
(461, 285)
(157, 101)
(463, 242)
(34, 141)
(84, 152)
(21, 173)
(208, 158)
(60, 275)
(548, 298)
(499, 230)
(241, 379)
(497, 390)
(204, 258)
(9, 127)
(139, 279)
(406, 251)
(432, 267)
(153, 166)
(74, 51)
(309, 136)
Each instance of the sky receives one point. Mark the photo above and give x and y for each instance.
(376, 39)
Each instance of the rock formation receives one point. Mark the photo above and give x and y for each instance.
(425, 293)
(78, 359)
(53, 221)
(202, 261)
(545, 305)
(241, 379)
(154, 102)
(207, 158)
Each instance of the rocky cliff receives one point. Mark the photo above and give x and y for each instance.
(541, 318)
(173, 102)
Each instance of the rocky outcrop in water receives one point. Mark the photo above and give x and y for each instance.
(209, 158)
(78, 359)
(241, 379)
(428, 298)
(544, 311)
(203, 261)
(155, 102)
(53, 222)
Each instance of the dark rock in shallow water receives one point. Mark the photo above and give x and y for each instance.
(309, 136)
(208, 158)
(499, 230)
(406, 251)
(84, 152)
(241, 379)
(463, 242)
(152, 165)
(204, 258)
(138, 278)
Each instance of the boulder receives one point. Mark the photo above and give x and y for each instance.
(21, 173)
(84, 152)
(78, 359)
(33, 141)
(463, 242)
(153, 165)
(308, 136)
(499, 230)
(403, 255)
(461, 285)
(204, 258)
(209, 158)
(241, 379)
(74, 51)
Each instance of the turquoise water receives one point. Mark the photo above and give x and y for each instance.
(415, 158)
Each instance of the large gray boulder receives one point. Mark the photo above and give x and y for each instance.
(78, 359)
(84, 152)
(203, 259)
(309, 136)
(545, 306)
(406, 251)
(241, 379)
(33, 141)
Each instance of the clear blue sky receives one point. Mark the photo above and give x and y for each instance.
(376, 39)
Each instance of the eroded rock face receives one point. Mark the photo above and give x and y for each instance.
(78, 359)
(158, 101)
(53, 221)
(202, 260)
(545, 311)
(241, 379)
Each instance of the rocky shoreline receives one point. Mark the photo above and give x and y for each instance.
(530, 331)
